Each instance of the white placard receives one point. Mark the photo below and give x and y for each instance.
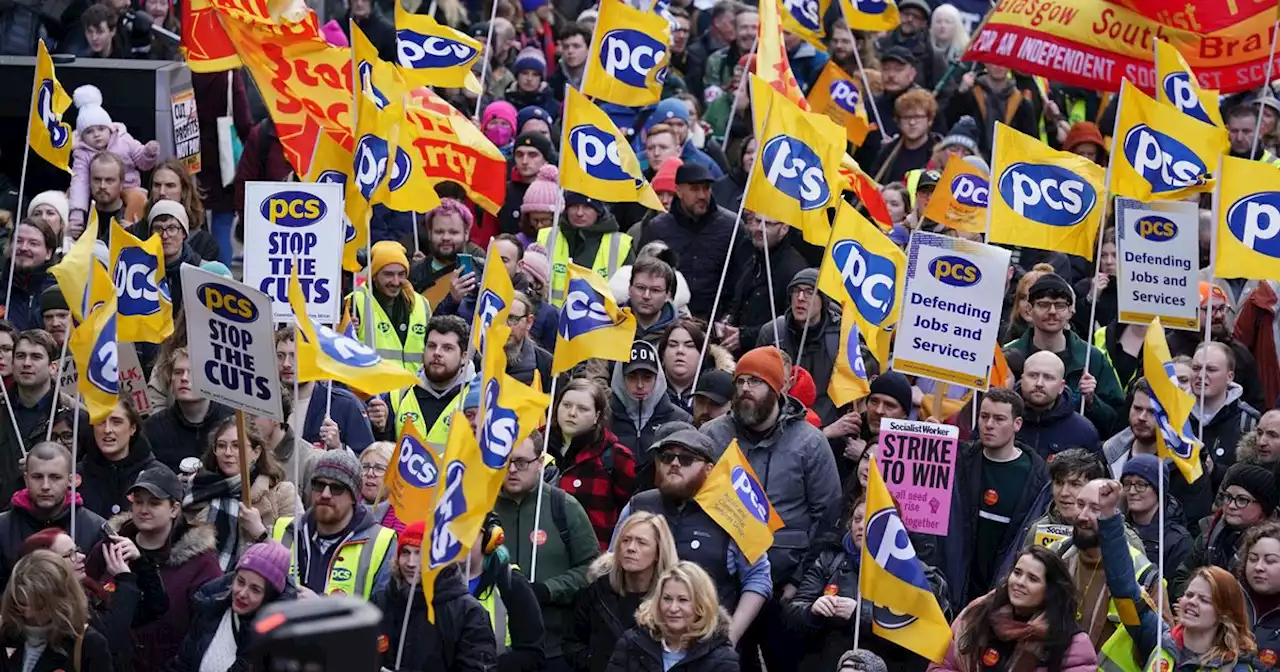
(133, 378)
(230, 338)
(1158, 252)
(295, 222)
(952, 298)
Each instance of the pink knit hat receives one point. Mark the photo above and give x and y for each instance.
(543, 195)
(499, 109)
(536, 264)
(332, 33)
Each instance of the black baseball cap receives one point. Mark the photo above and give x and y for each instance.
(161, 482)
(929, 179)
(715, 385)
(900, 54)
(643, 358)
(693, 173)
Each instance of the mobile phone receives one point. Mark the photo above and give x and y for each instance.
(466, 264)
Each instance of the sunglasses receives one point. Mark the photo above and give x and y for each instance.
(335, 489)
(685, 459)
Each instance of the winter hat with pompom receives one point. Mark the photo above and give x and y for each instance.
(543, 195)
(88, 100)
(536, 264)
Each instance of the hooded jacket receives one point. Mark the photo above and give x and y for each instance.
(460, 639)
(137, 157)
(432, 401)
(11, 446)
(639, 651)
(797, 469)
(1196, 499)
(599, 619)
(173, 437)
(1107, 411)
(584, 243)
(22, 520)
(1223, 430)
(821, 348)
(104, 484)
(314, 561)
(750, 307)
(635, 421)
(652, 334)
(702, 247)
(208, 606)
(1058, 428)
(22, 305)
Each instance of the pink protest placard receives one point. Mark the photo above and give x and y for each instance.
(918, 460)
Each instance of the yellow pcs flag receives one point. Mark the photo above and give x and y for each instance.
(1176, 85)
(325, 354)
(893, 578)
(849, 376)
(871, 15)
(1159, 152)
(591, 323)
(733, 497)
(1041, 197)
(144, 307)
(380, 105)
(1248, 220)
(93, 345)
(796, 174)
(865, 271)
(47, 133)
(430, 54)
(804, 20)
(446, 542)
(73, 271)
(509, 412)
(330, 164)
(598, 162)
(1172, 406)
(771, 56)
(837, 95)
(960, 200)
(493, 304)
(411, 476)
(627, 61)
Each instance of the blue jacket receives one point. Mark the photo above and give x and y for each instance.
(1118, 566)
(22, 306)
(386, 224)
(806, 64)
(347, 412)
(1058, 428)
(691, 154)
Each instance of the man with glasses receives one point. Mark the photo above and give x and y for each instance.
(798, 472)
(914, 113)
(1248, 497)
(524, 355)
(1140, 481)
(563, 539)
(168, 220)
(649, 295)
(821, 344)
(344, 549)
(1052, 306)
(1051, 423)
(684, 459)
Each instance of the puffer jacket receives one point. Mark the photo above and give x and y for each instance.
(639, 651)
(702, 246)
(635, 421)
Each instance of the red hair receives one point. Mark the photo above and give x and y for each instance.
(43, 541)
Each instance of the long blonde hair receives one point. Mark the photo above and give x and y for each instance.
(665, 545)
(43, 583)
(707, 615)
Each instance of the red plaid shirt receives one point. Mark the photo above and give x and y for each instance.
(602, 492)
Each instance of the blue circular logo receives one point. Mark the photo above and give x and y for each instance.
(794, 169)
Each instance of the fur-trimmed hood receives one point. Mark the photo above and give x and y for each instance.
(721, 358)
(1247, 448)
(190, 539)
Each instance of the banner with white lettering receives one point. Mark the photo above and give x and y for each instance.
(1157, 256)
(230, 335)
(288, 223)
(952, 299)
(918, 461)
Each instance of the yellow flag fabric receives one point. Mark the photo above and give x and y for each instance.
(380, 105)
(871, 15)
(93, 346)
(804, 20)
(457, 498)
(796, 175)
(1172, 406)
(1043, 198)
(73, 271)
(325, 354)
(494, 302)
(431, 54)
(447, 147)
(598, 161)
(864, 271)
(893, 579)
(411, 476)
(960, 200)
(143, 303)
(330, 164)
(627, 60)
(47, 133)
(591, 323)
(1177, 86)
(839, 96)
(733, 496)
(509, 412)
(1248, 220)
(771, 56)
(849, 376)
(1159, 152)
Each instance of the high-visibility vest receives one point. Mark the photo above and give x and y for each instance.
(385, 339)
(1268, 157)
(354, 566)
(405, 408)
(614, 247)
(1119, 653)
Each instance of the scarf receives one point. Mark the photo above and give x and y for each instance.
(35, 642)
(1028, 637)
(222, 651)
(222, 493)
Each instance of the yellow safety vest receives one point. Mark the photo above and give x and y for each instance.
(385, 339)
(614, 247)
(1268, 157)
(1119, 653)
(355, 564)
(405, 408)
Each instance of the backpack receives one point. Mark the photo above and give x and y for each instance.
(559, 514)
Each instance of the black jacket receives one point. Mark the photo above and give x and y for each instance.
(105, 484)
(22, 304)
(1108, 307)
(728, 190)
(460, 640)
(599, 619)
(34, 424)
(702, 247)
(749, 307)
(1223, 431)
(1266, 626)
(173, 437)
(208, 607)
(1217, 545)
(95, 656)
(21, 521)
(173, 274)
(638, 651)
(1058, 428)
(524, 615)
(821, 348)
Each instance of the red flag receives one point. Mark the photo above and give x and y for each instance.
(869, 193)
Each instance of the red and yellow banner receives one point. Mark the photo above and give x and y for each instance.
(1095, 44)
(446, 147)
(1202, 16)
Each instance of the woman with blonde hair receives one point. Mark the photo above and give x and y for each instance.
(643, 550)
(1213, 631)
(44, 619)
(680, 627)
(1020, 316)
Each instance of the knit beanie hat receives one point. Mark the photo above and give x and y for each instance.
(413, 534)
(964, 133)
(472, 400)
(1255, 480)
(174, 209)
(89, 111)
(530, 113)
(52, 299)
(1053, 286)
(1146, 467)
(978, 162)
(765, 363)
(895, 386)
(539, 142)
(576, 198)
(54, 199)
(805, 276)
(332, 34)
(802, 386)
(665, 178)
(268, 559)
(499, 109)
(386, 252)
(861, 660)
(544, 194)
(1083, 132)
(530, 58)
(671, 108)
(340, 466)
(536, 264)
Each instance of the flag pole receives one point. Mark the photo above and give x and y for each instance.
(242, 439)
(22, 187)
(1102, 226)
(1266, 89)
(85, 309)
(1160, 476)
(484, 60)
(1208, 313)
(413, 585)
(542, 479)
(867, 99)
(768, 271)
(75, 449)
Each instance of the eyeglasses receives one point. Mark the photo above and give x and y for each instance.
(165, 230)
(802, 291)
(335, 489)
(64, 437)
(1046, 305)
(1237, 501)
(1136, 487)
(375, 469)
(513, 319)
(747, 381)
(520, 464)
(685, 459)
(645, 290)
(71, 554)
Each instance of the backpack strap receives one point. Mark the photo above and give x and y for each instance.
(559, 515)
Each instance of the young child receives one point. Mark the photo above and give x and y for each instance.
(95, 132)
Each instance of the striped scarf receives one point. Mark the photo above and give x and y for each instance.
(222, 493)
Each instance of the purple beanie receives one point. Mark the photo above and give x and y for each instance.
(268, 559)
